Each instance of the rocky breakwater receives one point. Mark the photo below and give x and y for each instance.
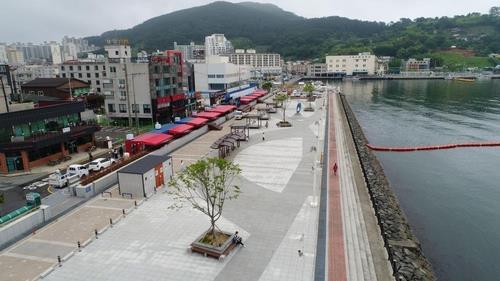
(405, 254)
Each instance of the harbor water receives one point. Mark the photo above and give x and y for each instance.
(451, 197)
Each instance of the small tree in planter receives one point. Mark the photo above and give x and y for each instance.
(268, 85)
(309, 88)
(283, 99)
(206, 185)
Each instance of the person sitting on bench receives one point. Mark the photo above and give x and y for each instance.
(238, 240)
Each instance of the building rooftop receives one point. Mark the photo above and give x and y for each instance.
(50, 82)
(144, 164)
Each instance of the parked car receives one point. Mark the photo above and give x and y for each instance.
(100, 163)
(79, 170)
(238, 115)
(58, 179)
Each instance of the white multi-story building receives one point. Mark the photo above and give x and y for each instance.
(91, 71)
(56, 54)
(15, 56)
(25, 73)
(3, 54)
(217, 44)
(361, 64)
(217, 73)
(191, 52)
(317, 70)
(265, 64)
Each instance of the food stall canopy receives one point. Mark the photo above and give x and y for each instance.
(164, 128)
(223, 108)
(182, 129)
(153, 139)
(184, 120)
(210, 115)
(197, 122)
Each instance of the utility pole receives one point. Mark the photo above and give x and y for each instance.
(4, 94)
(128, 96)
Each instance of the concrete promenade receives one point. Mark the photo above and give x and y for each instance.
(276, 214)
(356, 250)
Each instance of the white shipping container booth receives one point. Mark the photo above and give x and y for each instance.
(142, 177)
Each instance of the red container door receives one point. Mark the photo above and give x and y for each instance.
(159, 175)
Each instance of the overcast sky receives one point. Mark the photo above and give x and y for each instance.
(40, 20)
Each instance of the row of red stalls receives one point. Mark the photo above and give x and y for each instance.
(168, 132)
(253, 96)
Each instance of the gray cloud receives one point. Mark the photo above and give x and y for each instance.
(40, 20)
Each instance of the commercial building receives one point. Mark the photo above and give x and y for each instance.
(297, 67)
(317, 70)
(32, 138)
(3, 54)
(15, 56)
(58, 88)
(261, 64)
(25, 73)
(191, 52)
(91, 71)
(361, 64)
(415, 65)
(217, 44)
(217, 73)
(7, 87)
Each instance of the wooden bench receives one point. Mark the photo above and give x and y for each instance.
(214, 253)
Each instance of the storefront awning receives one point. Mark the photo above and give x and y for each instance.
(182, 129)
(210, 115)
(197, 122)
(153, 139)
(259, 93)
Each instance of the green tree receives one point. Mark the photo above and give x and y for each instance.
(268, 85)
(309, 89)
(206, 185)
(495, 11)
(283, 99)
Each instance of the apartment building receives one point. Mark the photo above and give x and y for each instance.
(361, 64)
(415, 65)
(217, 44)
(317, 70)
(91, 71)
(217, 73)
(264, 64)
(191, 52)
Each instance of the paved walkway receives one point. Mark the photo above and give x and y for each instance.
(356, 247)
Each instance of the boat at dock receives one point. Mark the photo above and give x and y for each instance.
(468, 80)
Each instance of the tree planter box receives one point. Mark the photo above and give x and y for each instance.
(284, 124)
(208, 250)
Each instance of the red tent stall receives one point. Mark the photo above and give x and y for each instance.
(147, 140)
(197, 122)
(210, 115)
(180, 130)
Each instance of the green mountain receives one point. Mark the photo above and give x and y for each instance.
(267, 27)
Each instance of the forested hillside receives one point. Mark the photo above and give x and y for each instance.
(268, 28)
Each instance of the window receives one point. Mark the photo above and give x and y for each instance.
(165, 68)
(116, 53)
(64, 75)
(220, 75)
(112, 69)
(146, 108)
(157, 82)
(87, 67)
(135, 108)
(88, 75)
(123, 95)
(71, 68)
(211, 75)
(98, 89)
(80, 75)
(103, 67)
(111, 107)
(123, 108)
(80, 67)
(96, 67)
(40, 93)
(157, 69)
(62, 67)
(96, 75)
(72, 75)
(97, 82)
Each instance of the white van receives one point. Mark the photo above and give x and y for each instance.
(58, 180)
(79, 170)
(100, 163)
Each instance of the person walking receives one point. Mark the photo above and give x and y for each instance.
(90, 156)
(120, 151)
(335, 168)
(263, 136)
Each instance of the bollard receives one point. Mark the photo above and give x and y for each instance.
(111, 222)
(135, 203)
(95, 231)
(123, 212)
(79, 246)
(59, 260)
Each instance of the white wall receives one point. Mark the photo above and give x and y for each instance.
(131, 183)
(167, 171)
(20, 227)
(149, 182)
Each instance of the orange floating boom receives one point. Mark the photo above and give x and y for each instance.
(433, 147)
